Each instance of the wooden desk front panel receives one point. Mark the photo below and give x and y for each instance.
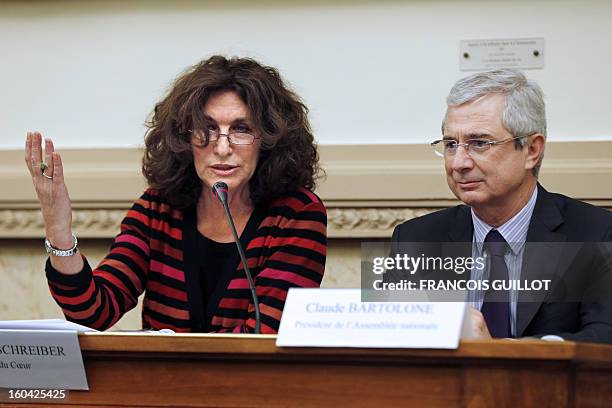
(205, 383)
(242, 371)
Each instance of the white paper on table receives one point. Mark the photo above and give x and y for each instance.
(43, 324)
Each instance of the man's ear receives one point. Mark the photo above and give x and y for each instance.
(535, 150)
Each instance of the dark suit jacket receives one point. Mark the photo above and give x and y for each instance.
(556, 219)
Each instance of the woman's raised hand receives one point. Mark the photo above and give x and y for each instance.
(48, 179)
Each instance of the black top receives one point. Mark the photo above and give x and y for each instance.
(217, 263)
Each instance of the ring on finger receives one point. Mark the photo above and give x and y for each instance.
(43, 167)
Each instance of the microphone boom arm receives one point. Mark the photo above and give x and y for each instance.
(220, 190)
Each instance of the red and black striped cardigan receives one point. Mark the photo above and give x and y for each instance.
(288, 250)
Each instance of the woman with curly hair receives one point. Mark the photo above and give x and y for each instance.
(228, 120)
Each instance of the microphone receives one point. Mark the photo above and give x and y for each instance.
(220, 190)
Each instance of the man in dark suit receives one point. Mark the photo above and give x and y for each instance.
(494, 135)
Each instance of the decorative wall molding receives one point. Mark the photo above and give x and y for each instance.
(86, 223)
(369, 222)
(342, 222)
(104, 223)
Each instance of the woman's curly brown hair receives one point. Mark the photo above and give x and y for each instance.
(288, 158)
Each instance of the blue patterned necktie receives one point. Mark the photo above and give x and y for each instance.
(496, 303)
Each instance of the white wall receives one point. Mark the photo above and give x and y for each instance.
(87, 73)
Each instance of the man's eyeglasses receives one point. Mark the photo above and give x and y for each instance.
(448, 147)
(234, 137)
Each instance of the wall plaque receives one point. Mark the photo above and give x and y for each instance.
(519, 53)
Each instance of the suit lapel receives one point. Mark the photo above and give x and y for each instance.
(541, 257)
(459, 244)
(463, 229)
(460, 236)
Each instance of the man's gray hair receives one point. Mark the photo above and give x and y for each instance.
(524, 113)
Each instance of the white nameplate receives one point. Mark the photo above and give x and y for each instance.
(338, 318)
(41, 359)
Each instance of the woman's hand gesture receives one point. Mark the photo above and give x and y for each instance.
(48, 179)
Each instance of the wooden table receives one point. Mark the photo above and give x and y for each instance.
(244, 370)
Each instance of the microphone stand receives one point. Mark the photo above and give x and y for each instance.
(220, 190)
